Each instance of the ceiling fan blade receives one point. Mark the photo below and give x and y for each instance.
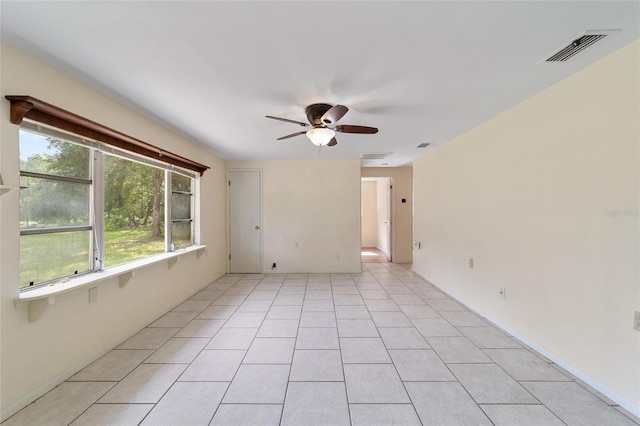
(288, 121)
(334, 114)
(349, 128)
(332, 142)
(292, 135)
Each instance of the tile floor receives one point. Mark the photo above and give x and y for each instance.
(377, 348)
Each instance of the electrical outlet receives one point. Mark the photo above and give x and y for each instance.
(273, 266)
(503, 293)
(337, 256)
(93, 294)
(636, 320)
(471, 262)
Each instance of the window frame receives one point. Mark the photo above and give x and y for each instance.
(96, 182)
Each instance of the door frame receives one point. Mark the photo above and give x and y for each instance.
(229, 216)
(390, 205)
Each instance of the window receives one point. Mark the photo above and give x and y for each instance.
(86, 206)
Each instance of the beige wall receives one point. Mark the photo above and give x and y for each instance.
(544, 198)
(402, 213)
(369, 214)
(38, 355)
(315, 204)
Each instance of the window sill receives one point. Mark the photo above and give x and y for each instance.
(41, 298)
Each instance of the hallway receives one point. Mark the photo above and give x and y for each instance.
(379, 347)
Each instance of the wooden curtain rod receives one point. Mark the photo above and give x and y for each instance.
(34, 109)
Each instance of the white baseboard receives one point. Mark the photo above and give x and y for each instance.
(632, 408)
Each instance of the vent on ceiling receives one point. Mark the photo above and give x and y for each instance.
(577, 46)
(423, 145)
(374, 156)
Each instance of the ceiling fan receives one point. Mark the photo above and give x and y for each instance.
(322, 119)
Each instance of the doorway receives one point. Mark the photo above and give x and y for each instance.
(245, 221)
(376, 217)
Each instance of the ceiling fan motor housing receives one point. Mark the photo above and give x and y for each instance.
(315, 112)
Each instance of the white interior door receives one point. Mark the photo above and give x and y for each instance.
(245, 233)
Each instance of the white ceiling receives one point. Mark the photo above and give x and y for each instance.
(419, 71)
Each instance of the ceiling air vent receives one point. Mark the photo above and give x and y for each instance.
(423, 145)
(374, 156)
(577, 46)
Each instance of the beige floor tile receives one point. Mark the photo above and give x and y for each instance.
(173, 319)
(287, 299)
(403, 338)
(383, 415)
(575, 405)
(187, 403)
(278, 328)
(316, 366)
(317, 338)
(363, 350)
(113, 366)
(259, 305)
(390, 319)
(352, 312)
(318, 319)
(457, 350)
(445, 403)
(61, 405)
(521, 415)
(420, 366)
(149, 338)
(178, 350)
(233, 338)
(464, 319)
(489, 337)
(192, 305)
(357, 328)
(218, 312)
(247, 415)
(113, 415)
(284, 312)
(315, 403)
(489, 384)
(214, 366)
(435, 327)
(258, 384)
(374, 384)
(200, 328)
(146, 384)
(246, 319)
(270, 351)
(521, 364)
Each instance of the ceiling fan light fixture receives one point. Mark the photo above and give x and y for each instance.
(320, 136)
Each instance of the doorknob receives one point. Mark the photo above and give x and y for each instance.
(257, 227)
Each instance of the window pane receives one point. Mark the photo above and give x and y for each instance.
(46, 203)
(181, 234)
(180, 206)
(45, 257)
(44, 154)
(180, 183)
(133, 211)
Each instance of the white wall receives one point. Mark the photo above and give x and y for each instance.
(402, 213)
(369, 214)
(315, 204)
(38, 355)
(545, 198)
